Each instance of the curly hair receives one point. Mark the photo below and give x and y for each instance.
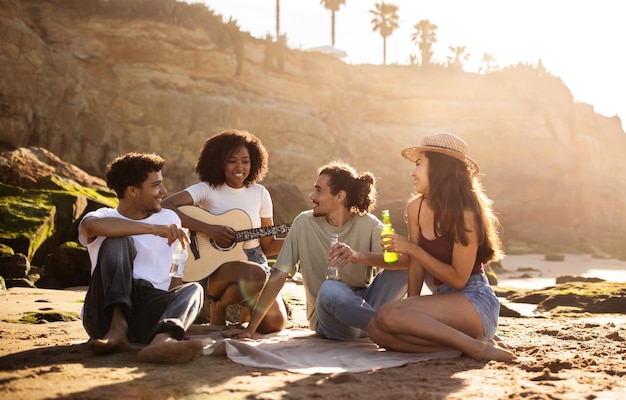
(360, 189)
(131, 169)
(452, 192)
(217, 150)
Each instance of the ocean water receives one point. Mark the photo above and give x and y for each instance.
(532, 271)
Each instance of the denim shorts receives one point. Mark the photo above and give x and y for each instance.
(256, 255)
(484, 299)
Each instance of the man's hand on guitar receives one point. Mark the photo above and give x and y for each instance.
(236, 333)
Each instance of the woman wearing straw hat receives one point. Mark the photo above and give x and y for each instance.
(452, 231)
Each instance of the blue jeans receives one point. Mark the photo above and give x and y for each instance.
(256, 255)
(343, 312)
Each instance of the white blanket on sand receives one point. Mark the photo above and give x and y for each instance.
(300, 350)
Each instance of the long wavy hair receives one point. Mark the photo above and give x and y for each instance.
(360, 188)
(452, 191)
(217, 150)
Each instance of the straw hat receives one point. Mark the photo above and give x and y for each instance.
(444, 143)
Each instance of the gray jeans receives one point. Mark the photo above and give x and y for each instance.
(148, 310)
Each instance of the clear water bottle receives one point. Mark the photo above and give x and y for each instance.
(332, 272)
(179, 257)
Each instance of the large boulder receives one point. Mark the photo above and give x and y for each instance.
(26, 219)
(14, 266)
(67, 266)
(26, 167)
(41, 205)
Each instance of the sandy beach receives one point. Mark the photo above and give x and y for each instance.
(560, 356)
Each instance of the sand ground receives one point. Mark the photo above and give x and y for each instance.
(560, 357)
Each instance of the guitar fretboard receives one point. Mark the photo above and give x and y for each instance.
(255, 233)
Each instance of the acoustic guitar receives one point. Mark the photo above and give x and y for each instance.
(205, 255)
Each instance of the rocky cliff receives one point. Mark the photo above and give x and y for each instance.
(88, 84)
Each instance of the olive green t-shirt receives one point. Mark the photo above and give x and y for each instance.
(306, 248)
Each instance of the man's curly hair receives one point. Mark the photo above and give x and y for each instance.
(131, 169)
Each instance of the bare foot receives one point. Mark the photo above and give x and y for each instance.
(114, 341)
(108, 345)
(501, 343)
(171, 351)
(486, 349)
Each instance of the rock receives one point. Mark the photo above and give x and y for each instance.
(18, 282)
(555, 257)
(580, 296)
(26, 219)
(25, 167)
(507, 312)
(43, 213)
(529, 297)
(15, 266)
(67, 266)
(6, 251)
(34, 220)
(570, 278)
(591, 304)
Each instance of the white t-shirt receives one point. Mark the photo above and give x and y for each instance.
(254, 200)
(154, 256)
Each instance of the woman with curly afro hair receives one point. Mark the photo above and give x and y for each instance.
(230, 165)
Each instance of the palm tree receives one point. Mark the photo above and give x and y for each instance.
(458, 56)
(386, 21)
(277, 19)
(425, 36)
(333, 6)
(489, 63)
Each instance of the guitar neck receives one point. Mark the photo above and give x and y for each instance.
(255, 233)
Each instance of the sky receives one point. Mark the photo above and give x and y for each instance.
(579, 41)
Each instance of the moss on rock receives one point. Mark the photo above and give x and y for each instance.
(41, 219)
(26, 221)
(6, 251)
(40, 317)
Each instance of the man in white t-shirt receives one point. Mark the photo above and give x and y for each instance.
(336, 309)
(130, 248)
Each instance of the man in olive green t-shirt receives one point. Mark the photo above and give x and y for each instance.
(338, 309)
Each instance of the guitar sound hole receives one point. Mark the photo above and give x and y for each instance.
(220, 248)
